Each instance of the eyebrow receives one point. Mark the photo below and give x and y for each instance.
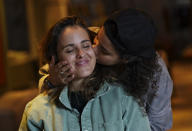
(71, 44)
(83, 41)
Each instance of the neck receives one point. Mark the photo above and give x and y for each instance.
(76, 85)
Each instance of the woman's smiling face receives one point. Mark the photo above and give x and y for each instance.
(75, 47)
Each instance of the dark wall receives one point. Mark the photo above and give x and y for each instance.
(16, 25)
(2, 64)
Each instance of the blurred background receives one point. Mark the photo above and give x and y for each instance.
(23, 23)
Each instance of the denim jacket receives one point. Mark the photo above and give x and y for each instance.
(110, 110)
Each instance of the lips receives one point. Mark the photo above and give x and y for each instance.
(82, 62)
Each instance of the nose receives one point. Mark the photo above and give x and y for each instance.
(80, 53)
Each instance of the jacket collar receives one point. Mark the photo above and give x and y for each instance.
(64, 99)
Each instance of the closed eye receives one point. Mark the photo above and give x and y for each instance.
(69, 50)
(86, 44)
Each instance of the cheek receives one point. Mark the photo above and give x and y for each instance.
(70, 59)
(65, 57)
(94, 61)
(93, 56)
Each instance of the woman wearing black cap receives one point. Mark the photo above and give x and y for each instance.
(127, 38)
(126, 44)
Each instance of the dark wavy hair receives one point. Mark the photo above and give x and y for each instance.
(48, 48)
(138, 76)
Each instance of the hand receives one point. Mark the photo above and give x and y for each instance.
(60, 73)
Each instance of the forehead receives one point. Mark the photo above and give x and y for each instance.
(73, 34)
(104, 40)
(74, 29)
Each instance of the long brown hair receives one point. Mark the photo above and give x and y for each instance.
(48, 48)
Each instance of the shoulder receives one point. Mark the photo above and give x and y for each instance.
(40, 100)
(163, 92)
(34, 114)
(129, 105)
(164, 70)
(37, 107)
(117, 92)
(165, 82)
(117, 96)
(116, 89)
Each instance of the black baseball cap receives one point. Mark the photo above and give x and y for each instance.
(132, 32)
